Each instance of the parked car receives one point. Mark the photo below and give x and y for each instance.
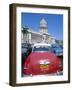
(26, 50)
(61, 46)
(57, 49)
(42, 61)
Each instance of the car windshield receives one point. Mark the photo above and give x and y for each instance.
(41, 49)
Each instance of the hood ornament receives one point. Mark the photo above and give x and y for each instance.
(44, 61)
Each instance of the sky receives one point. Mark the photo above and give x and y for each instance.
(54, 22)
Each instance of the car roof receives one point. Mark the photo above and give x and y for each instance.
(41, 44)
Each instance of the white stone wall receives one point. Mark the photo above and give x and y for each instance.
(36, 38)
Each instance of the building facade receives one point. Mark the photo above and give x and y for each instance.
(30, 36)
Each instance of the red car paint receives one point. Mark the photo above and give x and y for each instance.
(38, 63)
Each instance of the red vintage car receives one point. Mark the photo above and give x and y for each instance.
(42, 61)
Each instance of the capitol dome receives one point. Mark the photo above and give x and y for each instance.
(43, 23)
(43, 26)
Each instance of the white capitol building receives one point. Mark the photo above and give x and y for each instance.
(35, 37)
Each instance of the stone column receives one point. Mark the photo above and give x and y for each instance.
(21, 37)
(29, 37)
(44, 38)
(53, 40)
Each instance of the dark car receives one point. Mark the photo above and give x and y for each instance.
(26, 50)
(42, 61)
(27, 46)
(57, 49)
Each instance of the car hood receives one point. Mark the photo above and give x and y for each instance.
(59, 50)
(42, 56)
